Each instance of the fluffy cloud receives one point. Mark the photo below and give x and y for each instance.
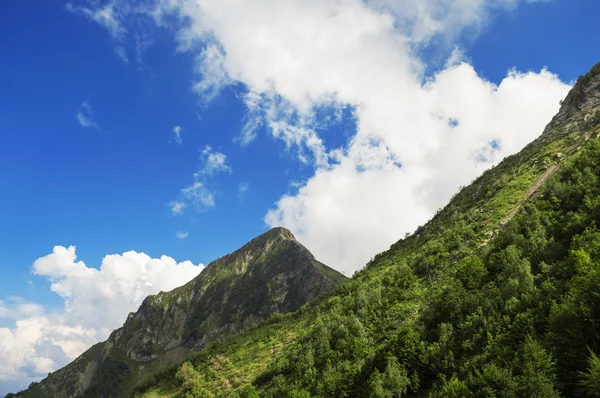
(96, 301)
(418, 137)
(357, 207)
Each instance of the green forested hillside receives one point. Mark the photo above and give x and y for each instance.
(497, 296)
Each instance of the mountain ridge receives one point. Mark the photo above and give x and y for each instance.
(476, 302)
(271, 274)
(496, 295)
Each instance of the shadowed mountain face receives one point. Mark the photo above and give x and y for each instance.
(271, 274)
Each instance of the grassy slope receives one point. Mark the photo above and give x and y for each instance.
(351, 342)
(472, 216)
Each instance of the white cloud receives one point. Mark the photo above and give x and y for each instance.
(182, 235)
(253, 120)
(199, 196)
(110, 17)
(213, 74)
(18, 308)
(96, 301)
(177, 207)
(299, 136)
(85, 116)
(214, 162)
(415, 143)
(177, 131)
(379, 190)
(243, 187)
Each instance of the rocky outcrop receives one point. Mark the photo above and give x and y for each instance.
(579, 110)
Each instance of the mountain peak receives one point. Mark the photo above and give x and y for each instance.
(273, 273)
(278, 232)
(274, 234)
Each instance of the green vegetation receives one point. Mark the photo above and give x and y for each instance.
(483, 301)
(270, 276)
(498, 295)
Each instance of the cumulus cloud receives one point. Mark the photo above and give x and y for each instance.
(418, 137)
(96, 301)
(177, 134)
(351, 210)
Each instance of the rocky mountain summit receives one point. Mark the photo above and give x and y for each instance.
(271, 274)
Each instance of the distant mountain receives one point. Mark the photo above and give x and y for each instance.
(272, 274)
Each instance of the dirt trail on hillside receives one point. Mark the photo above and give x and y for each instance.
(531, 191)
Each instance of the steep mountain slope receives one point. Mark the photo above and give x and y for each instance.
(272, 274)
(498, 295)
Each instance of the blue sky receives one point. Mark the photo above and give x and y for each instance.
(106, 185)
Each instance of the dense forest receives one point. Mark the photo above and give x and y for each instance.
(497, 296)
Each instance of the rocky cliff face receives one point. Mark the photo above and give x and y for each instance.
(580, 110)
(271, 274)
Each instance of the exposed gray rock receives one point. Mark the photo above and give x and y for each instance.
(271, 274)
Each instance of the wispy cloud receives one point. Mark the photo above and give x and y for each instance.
(177, 132)
(200, 194)
(177, 207)
(212, 72)
(214, 162)
(243, 187)
(85, 116)
(110, 18)
(253, 119)
(182, 235)
(18, 308)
